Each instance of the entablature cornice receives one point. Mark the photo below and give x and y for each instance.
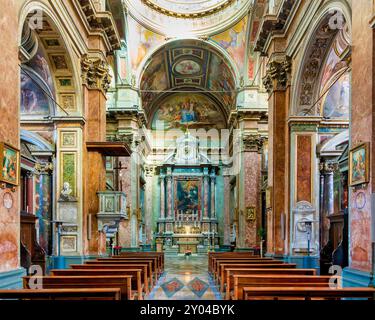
(273, 25)
(99, 23)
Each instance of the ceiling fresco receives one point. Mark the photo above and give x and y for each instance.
(173, 18)
(192, 110)
(192, 66)
(141, 42)
(233, 41)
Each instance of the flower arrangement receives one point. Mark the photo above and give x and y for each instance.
(117, 250)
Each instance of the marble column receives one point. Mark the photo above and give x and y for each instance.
(162, 197)
(213, 191)
(362, 130)
(327, 170)
(206, 183)
(169, 190)
(277, 84)
(227, 222)
(252, 145)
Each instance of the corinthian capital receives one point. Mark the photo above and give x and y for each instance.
(277, 74)
(253, 142)
(95, 73)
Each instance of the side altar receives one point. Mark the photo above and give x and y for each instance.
(187, 220)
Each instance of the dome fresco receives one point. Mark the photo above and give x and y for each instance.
(188, 18)
(188, 7)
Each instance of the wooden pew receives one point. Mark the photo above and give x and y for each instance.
(156, 260)
(307, 293)
(212, 255)
(155, 265)
(240, 281)
(119, 263)
(227, 283)
(62, 294)
(221, 275)
(270, 264)
(136, 274)
(160, 256)
(59, 282)
(147, 281)
(212, 259)
(216, 261)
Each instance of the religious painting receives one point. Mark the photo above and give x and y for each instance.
(154, 79)
(10, 164)
(39, 64)
(192, 110)
(359, 159)
(187, 68)
(336, 103)
(34, 101)
(221, 80)
(187, 195)
(142, 41)
(60, 62)
(234, 41)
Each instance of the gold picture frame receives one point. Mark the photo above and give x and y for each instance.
(359, 164)
(250, 213)
(10, 164)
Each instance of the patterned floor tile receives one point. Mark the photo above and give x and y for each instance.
(172, 286)
(198, 286)
(185, 279)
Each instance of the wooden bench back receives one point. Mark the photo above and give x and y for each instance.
(227, 282)
(153, 260)
(60, 282)
(137, 279)
(241, 281)
(116, 264)
(62, 294)
(147, 281)
(307, 293)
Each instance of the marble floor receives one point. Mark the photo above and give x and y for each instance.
(185, 278)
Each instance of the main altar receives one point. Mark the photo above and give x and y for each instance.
(187, 221)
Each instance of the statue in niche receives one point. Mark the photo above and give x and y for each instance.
(66, 193)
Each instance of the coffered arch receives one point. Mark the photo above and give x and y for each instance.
(50, 56)
(331, 22)
(191, 66)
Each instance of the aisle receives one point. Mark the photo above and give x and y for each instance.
(185, 279)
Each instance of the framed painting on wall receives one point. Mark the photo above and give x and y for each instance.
(10, 164)
(359, 164)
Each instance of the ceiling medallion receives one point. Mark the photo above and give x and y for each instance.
(187, 68)
(188, 8)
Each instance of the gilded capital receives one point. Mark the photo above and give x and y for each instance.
(95, 73)
(277, 74)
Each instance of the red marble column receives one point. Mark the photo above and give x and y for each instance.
(9, 130)
(362, 130)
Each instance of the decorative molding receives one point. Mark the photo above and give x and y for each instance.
(277, 74)
(95, 73)
(272, 24)
(252, 142)
(43, 168)
(100, 21)
(198, 14)
(328, 167)
(149, 170)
